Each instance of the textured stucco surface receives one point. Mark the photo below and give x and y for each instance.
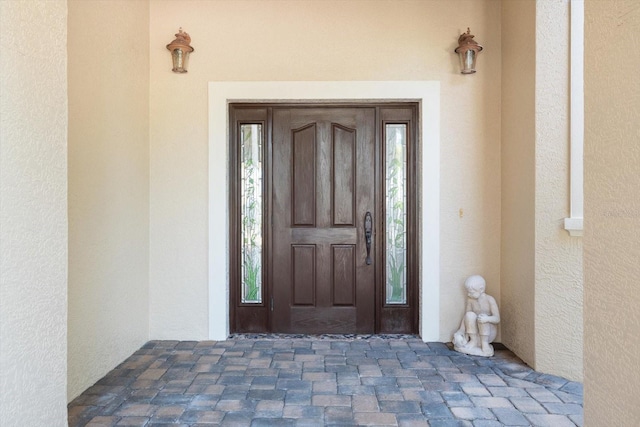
(518, 179)
(108, 186)
(541, 264)
(33, 214)
(558, 256)
(612, 214)
(328, 40)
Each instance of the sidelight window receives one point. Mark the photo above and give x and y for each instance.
(396, 213)
(251, 212)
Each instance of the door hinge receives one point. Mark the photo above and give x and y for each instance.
(271, 303)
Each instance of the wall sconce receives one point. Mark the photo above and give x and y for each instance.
(180, 50)
(468, 49)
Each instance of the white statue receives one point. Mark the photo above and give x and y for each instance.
(479, 325)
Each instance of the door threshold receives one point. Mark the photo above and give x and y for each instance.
(333, 337)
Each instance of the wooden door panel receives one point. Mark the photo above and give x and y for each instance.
(344, 176)
(344, 275)
(320, 281)
(304, 274)
(304, 176)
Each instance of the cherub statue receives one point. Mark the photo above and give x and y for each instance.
(479, 325)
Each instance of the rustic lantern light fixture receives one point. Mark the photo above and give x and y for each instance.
(468, 49)
(180, 49)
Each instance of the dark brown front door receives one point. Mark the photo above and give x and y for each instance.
(302, 179)
(323, 187)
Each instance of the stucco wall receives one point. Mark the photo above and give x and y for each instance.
(326, 40)
(612, 214)
(541, 264)
(518, 178)
(33, 214)
(108, 186)
(558, 256)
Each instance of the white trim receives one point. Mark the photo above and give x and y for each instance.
(574, 225)
(427, 93)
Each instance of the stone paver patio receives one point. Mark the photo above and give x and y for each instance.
(255, 380)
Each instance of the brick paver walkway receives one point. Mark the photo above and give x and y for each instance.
(315, 381)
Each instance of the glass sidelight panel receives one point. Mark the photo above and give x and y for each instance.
(396, 213)
(251, 212)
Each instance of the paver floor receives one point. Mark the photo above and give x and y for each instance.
(270, 380)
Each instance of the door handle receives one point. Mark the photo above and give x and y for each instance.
(368, 230)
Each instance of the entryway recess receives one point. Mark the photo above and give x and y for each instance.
(323, 223)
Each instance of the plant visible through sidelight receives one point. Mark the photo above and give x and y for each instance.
(251, 212)
(396, 213)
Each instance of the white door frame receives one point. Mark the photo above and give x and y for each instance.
(426, 93)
